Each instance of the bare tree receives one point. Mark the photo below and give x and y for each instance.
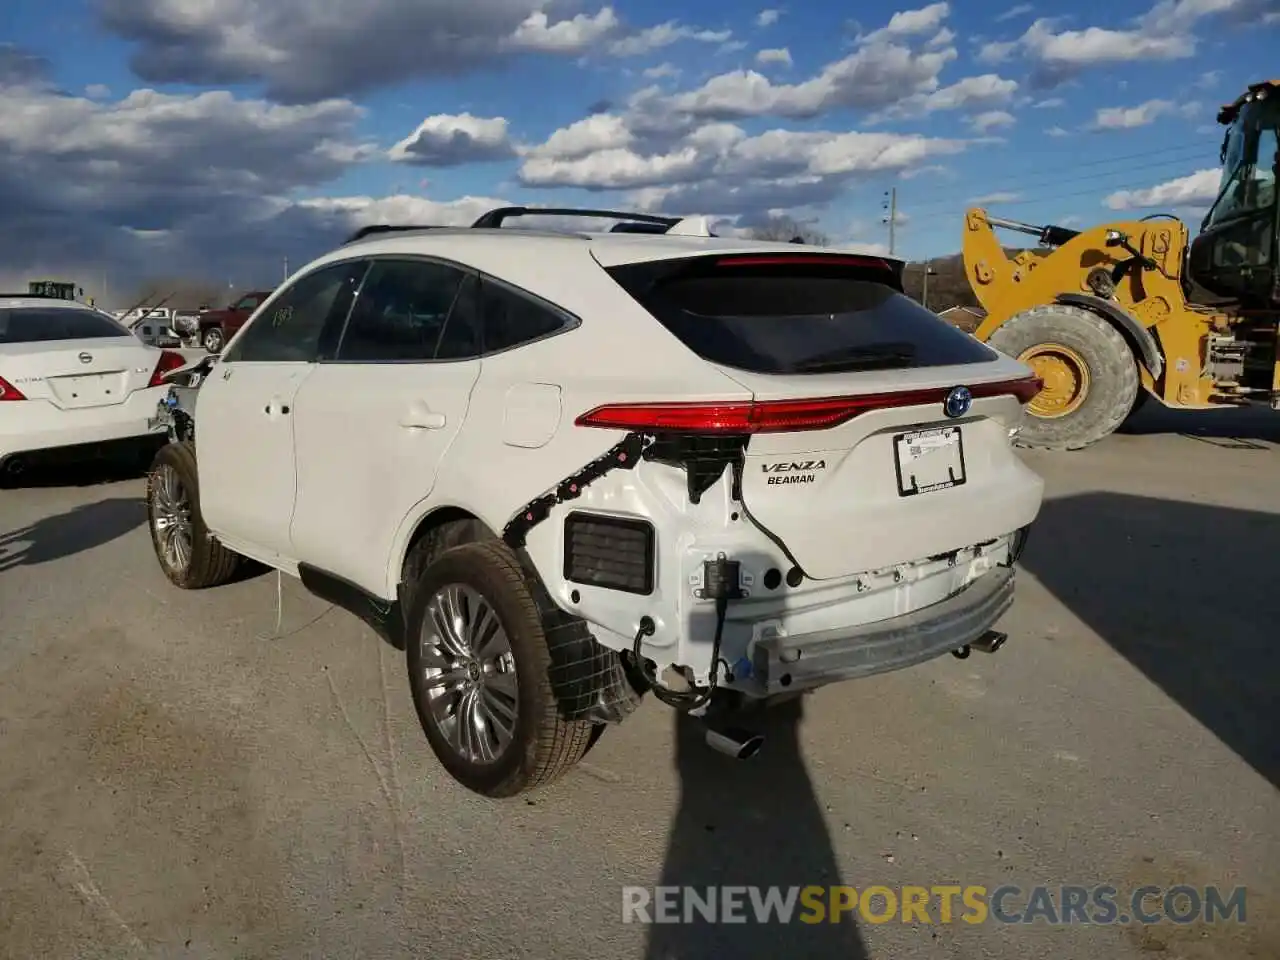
(788, 230)
(180, 293)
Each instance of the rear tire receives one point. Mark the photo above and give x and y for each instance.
(188, 554)
(213, 340)
(1091, 377)
(474, 673)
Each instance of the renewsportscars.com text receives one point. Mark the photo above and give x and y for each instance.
(944, 904)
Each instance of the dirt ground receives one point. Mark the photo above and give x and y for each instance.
(180, 779)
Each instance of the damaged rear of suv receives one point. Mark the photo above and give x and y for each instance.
(602, 465)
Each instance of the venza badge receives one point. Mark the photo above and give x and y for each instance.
(958, 402)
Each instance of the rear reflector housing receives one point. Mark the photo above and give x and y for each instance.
(782, 416)
(9, 392)
(616, 553)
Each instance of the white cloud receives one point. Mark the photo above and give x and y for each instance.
(539, 32)
(719, 168)
(304, 50)
(767, 18)
(663, 35)
(594, 134)
(874, 76)
(910, 23)
(1127, 118)
(1049, 103)
(1058, 132)
(1208, 79)
(1200, 187)
(774, 55)
(994, 198)
(97, 91)
(1019, 10)
(662, 71)
(990, 120)
(1095, 45)
(450, 140)
(204, 172)
(997, 51)
(987, 89)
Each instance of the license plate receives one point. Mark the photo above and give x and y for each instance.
(929, 460)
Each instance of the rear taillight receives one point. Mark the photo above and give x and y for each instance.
(9, 392)
(781, 416)
(168, 361)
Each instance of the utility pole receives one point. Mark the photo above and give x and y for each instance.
(928, 272)
(286, 268)
(892, 220)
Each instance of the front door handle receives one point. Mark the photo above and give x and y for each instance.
(421, 417)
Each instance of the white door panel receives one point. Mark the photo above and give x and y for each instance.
(369, 440)
(245, 453)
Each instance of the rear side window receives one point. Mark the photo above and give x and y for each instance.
(41, 324)
(806, 316)
(510, 319)
(400, 311)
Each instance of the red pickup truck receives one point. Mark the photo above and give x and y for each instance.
(219, 326)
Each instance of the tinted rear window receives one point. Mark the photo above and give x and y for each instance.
(39, 324)
(796, 318)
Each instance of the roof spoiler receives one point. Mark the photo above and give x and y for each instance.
(629, 222)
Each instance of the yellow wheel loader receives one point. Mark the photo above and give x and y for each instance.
(1110, 316)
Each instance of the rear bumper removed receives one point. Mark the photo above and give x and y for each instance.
(793, 663)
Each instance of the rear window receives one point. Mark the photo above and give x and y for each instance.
(39, 324)
(806, 316)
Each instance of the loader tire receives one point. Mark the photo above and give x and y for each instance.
(1090, 374)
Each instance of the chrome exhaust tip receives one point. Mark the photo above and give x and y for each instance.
(739, 744)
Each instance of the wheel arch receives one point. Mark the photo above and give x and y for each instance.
(462, 526)
(1140, 340)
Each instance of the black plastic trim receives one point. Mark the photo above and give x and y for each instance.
(624, 455)
(385, 617)
(630, 523)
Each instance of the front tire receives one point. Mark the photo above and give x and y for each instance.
(213, 340)
(188, 554)
(1089, 372)
(480, 674)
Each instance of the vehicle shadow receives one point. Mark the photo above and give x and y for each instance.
(1184, 591)
(80, 473)
(749, 823)
(1249, 428)
(83, 528)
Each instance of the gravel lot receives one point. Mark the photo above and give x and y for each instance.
(177, 779)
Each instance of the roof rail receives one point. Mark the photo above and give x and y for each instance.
(494, 218)
(387, 228)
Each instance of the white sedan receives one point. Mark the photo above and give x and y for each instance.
(74, 380)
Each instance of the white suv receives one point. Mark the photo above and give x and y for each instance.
(564, 469)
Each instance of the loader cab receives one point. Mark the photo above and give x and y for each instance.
(1236, 253)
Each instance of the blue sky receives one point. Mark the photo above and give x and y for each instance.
(1044, 111)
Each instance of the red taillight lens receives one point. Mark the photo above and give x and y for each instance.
(9, 392)
(781, 416)
(168, 361)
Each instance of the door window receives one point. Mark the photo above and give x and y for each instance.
(401, 311)
(299, 324)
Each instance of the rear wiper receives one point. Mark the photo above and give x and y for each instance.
(858, 358)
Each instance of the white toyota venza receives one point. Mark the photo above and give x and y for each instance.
(563, 470)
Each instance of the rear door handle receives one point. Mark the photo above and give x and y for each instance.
(421, 417)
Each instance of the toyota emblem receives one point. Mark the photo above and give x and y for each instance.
(86, 357)
(958, 402)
